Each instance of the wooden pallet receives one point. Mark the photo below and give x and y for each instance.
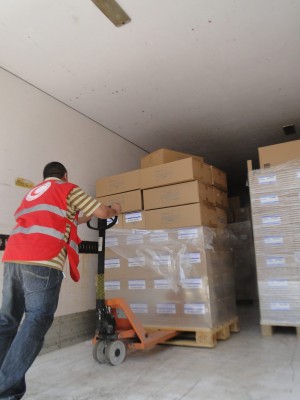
(268, 330)
(202, 337)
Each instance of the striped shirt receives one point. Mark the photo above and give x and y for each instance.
(77, 200)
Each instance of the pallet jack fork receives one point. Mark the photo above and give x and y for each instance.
(118, 330)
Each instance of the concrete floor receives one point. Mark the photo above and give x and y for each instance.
(245, 367)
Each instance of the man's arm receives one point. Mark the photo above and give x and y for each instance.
(83, 219)
(91, 207)
(104, 211)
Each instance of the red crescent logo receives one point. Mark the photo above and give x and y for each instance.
(38, 191)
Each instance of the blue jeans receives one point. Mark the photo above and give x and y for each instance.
(34, 291)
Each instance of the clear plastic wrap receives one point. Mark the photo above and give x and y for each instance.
(275, 200)
(179, 278)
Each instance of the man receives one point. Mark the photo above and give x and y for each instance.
(35, 254)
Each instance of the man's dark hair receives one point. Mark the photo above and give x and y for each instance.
(54, 169)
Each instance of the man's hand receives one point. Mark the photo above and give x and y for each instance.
(104, 211)
(117, 208)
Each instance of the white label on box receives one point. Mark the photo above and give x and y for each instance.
(192, 283)
(133, 217)
(270, 199)
(110, 220)
(161, 284)
(112, 285)
(273, 240)
(139, 308)
(280, 306)
(188, 233)
(135, 239)
(275, 261)
(159, 236)
(112, 263)
(136, 262)
(267, 179)
(298, 174)
(162, 260)
(193, 258)
(278, 283)
(166, 308)
(194, 308)
(271, 220)
(137, 284)
(111, 242)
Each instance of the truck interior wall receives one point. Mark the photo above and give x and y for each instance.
(36, 129)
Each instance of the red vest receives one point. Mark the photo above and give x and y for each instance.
(41, 225)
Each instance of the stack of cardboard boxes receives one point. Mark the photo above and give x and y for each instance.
(168, 194)
(179, 278)
(275, 198)
(171, 258)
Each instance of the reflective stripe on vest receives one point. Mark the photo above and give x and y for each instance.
(39, 229)
(73, 245)
(42, 207)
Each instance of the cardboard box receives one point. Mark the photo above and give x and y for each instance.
(124, 182)
(130, 201)
(220, 198)
(218, 178)
(181, 216)
(221, 218)
(163, 156)
(281, 218)
(278, 153)
(134, 220)
(114, 267)
(197, 260)
(207, 178)
(178, 194)
(184, 170)
(126, 274)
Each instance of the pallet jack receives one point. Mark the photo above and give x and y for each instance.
(118, 330)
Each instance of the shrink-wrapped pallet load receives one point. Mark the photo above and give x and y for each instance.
(275, 200)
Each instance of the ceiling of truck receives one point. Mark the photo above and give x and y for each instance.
(212, 78)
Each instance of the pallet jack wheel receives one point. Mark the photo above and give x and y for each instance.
(99, 351)
(115, 352)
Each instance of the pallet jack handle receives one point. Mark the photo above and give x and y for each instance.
(102, 224)
(102, 227)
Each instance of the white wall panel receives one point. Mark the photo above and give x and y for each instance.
(36, 129)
